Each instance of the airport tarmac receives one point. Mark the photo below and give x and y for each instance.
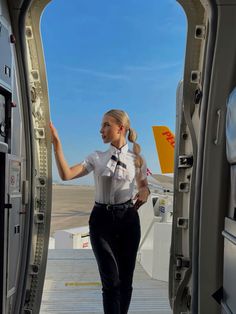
(71, 206)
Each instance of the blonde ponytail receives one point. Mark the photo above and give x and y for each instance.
(132, 136)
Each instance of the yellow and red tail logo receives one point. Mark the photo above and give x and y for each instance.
(165, 144)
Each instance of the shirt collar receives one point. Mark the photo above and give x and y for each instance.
(123, 149)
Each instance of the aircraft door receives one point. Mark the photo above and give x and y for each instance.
(3, 153)
(11, 220)
(229, 233)
(10, 227)
(25, 158)
(13, 232)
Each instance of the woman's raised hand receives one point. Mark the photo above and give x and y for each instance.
(54, 134)
(65, 171)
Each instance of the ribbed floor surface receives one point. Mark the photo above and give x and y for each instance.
(72, 285)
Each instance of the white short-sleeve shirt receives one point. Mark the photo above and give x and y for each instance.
(108, 189)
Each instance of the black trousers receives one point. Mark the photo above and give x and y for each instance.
(115, 237)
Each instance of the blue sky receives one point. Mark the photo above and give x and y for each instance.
(126, 54)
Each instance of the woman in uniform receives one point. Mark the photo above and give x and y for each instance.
(114, 222)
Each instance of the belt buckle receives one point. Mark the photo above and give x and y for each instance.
(108, 207)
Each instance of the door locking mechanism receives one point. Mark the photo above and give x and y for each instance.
(185, 161)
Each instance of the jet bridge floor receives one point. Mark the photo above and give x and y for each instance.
(72, 285)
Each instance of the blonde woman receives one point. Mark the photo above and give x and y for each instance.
(114, 221)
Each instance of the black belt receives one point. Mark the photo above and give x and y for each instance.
(111, 207)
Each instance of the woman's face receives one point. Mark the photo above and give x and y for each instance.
(110, 130)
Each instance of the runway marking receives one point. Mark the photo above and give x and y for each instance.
(75, 284)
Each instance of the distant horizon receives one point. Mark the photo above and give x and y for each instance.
(76, 183)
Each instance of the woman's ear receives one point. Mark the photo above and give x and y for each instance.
(122, 129)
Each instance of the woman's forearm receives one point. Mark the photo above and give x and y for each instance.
(62, 165)
(143, 185)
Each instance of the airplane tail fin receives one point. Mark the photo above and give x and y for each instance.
(165, 143)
